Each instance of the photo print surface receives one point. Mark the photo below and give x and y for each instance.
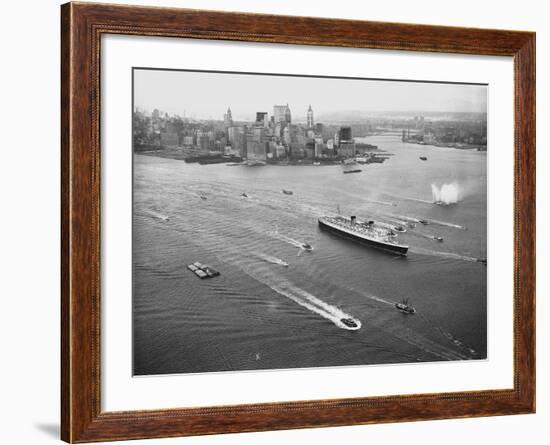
(284, 221)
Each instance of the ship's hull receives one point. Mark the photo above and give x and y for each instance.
(393, 248)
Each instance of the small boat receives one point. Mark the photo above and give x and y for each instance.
(204, 198)
(399, 229)
(423, 158)
(355, 170)
(244, 195)
(307, 247)
(438, 238)
(349, 322)
(424, 221)
(288, 192)
(405, 307)
(482, 260)
(316, 163)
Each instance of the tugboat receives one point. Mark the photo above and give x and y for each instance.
(350, 166)
(307, 247)
(405, 307)
(349, 322)
(288, 192)
(444, 204)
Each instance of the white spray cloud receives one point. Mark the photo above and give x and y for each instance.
(446, 194)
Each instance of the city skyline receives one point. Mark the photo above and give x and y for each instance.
(207, 95)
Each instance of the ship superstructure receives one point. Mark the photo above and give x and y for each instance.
(364, 232)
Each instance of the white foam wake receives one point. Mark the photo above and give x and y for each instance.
(454, 256)
(287, 239)
(307, 300)
(272, 259)
(157, 215)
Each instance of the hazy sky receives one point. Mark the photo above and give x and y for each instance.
(207, 95)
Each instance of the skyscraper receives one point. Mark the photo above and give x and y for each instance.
(228, 118)
(310, 117)
(281, 113)
(261, 118)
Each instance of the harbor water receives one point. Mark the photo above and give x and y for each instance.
(276, 305)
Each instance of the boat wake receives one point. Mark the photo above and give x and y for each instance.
(453, 256)
(305, 299)
(408, 198)
(272, 259)
(425, 236)
(288, 240)
(447, 224)
(157, 215)
(427, 221)
(384, 203)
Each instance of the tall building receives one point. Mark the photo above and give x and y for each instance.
(281, 113)
(237, 139)
(346, 145)
(318, 147)
(310, 117)
(287, 115)
(255, 151)
(286, 135)
(345, 134)
(228, 118)
(261, 118)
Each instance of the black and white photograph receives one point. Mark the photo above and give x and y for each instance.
(287, 221)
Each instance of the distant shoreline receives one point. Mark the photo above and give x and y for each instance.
(179, 155)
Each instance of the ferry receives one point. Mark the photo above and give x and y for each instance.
(350, 166)
(405, 307)
(367, 233)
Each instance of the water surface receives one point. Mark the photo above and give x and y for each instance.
(261, 315)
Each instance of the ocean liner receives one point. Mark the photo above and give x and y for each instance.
(367, 233)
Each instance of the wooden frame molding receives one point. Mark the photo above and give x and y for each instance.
(82, 25)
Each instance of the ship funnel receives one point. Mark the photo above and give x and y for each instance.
(353, 219)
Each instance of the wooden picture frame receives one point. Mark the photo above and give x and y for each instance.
(82, 25)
